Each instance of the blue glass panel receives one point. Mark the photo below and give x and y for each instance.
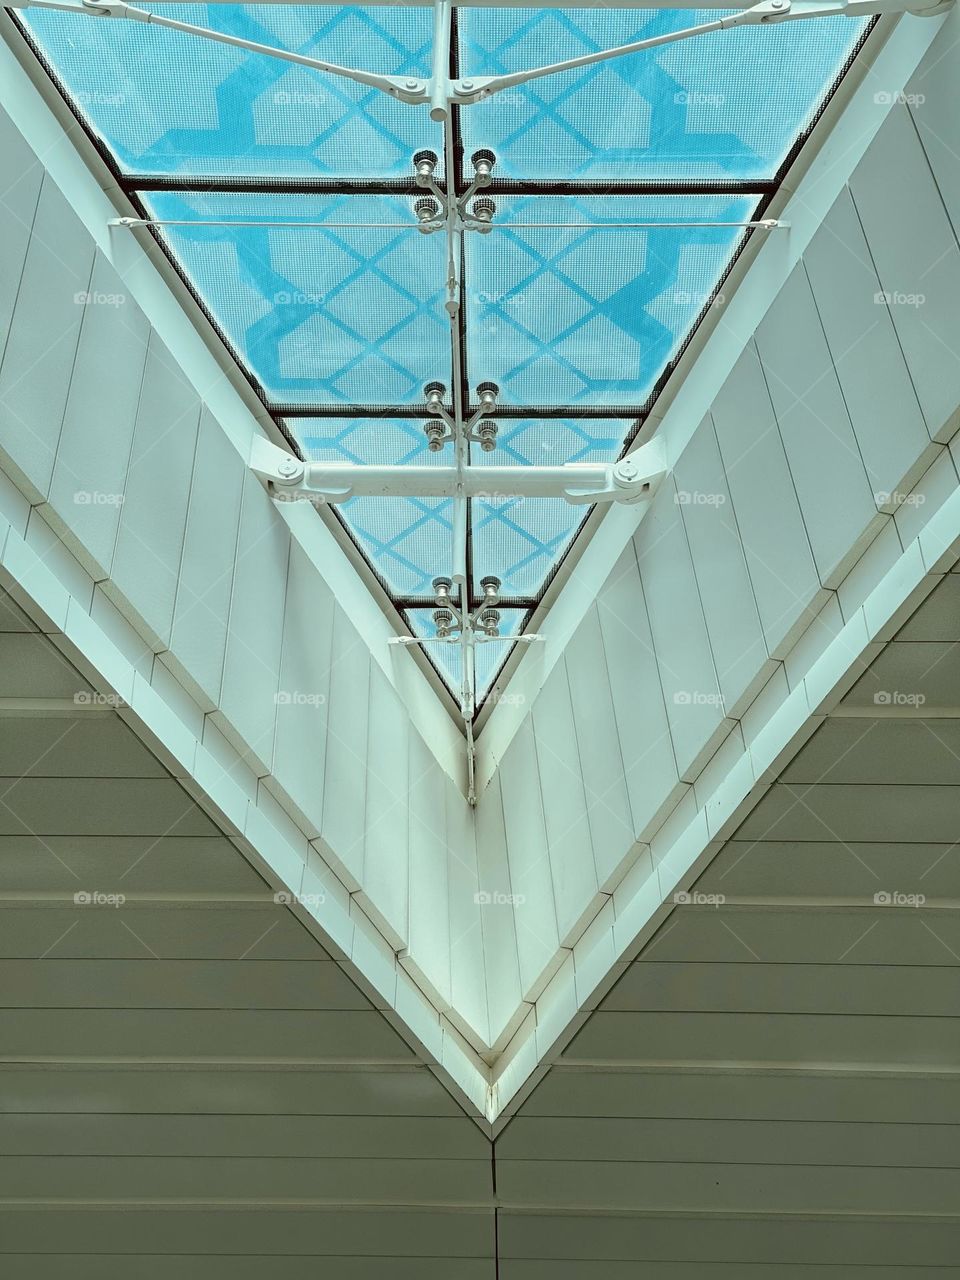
(724, 105)
(377, 441)
(407, 540)
(591, 316)
(555, 441)
(353, 315)
(319, 315)
(167, 102)
(520, 540)
(448, 658)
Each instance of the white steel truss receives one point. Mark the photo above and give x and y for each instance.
(633, 479)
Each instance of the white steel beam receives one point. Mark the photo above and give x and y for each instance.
(856, 7)
(439, 92)
(633, 479)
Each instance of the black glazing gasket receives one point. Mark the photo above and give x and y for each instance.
(134, 185)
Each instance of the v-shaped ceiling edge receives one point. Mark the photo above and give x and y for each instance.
(767, 739)
(846, 129)
(66, 155)
(290, 856)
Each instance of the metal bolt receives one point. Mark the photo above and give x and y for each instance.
(483, 162)
(442, 588)
(487, 393)
(483, 211)
(489, 622)
(433, 394)
(443, 621)
(435, 435)
(424, 164)
(426, 209)
(490, 586)
(487, 434)
(289, 467)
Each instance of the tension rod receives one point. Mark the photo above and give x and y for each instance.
(440, 93)
(763, 224)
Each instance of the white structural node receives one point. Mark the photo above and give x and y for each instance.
(633, 479)
(440, 92)
(442, 209)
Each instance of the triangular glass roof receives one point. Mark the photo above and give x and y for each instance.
(577, 315)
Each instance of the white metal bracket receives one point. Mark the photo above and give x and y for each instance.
(439, 92)
(633, 479)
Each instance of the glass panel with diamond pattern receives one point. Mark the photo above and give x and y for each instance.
(620, 190)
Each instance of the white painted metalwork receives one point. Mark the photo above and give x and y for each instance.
(629, 481)
(760, 224)
(633, 479)
(439, 92)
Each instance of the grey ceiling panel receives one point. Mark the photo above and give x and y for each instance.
(190, 1063)
(772, 1088)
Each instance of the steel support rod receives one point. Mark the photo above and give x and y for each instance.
(344, 480)
(631, 479)
(440, 78)
(764, 224)
(439, 92)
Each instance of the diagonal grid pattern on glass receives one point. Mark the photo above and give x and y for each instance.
(620, 193)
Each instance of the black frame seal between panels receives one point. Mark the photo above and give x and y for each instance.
(132, 185)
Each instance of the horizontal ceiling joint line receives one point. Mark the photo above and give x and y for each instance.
(230, 185)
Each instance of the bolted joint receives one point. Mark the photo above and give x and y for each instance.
(434, 393)
(426, 209)
(436, 433)
(443, 621)
(483, 211)
(486, 434)
(487, 393)
(483, 162)
(490, 586)
(442, 588)
(424, 165)
(488, 621)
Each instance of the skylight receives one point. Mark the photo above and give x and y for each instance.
(621, 192)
